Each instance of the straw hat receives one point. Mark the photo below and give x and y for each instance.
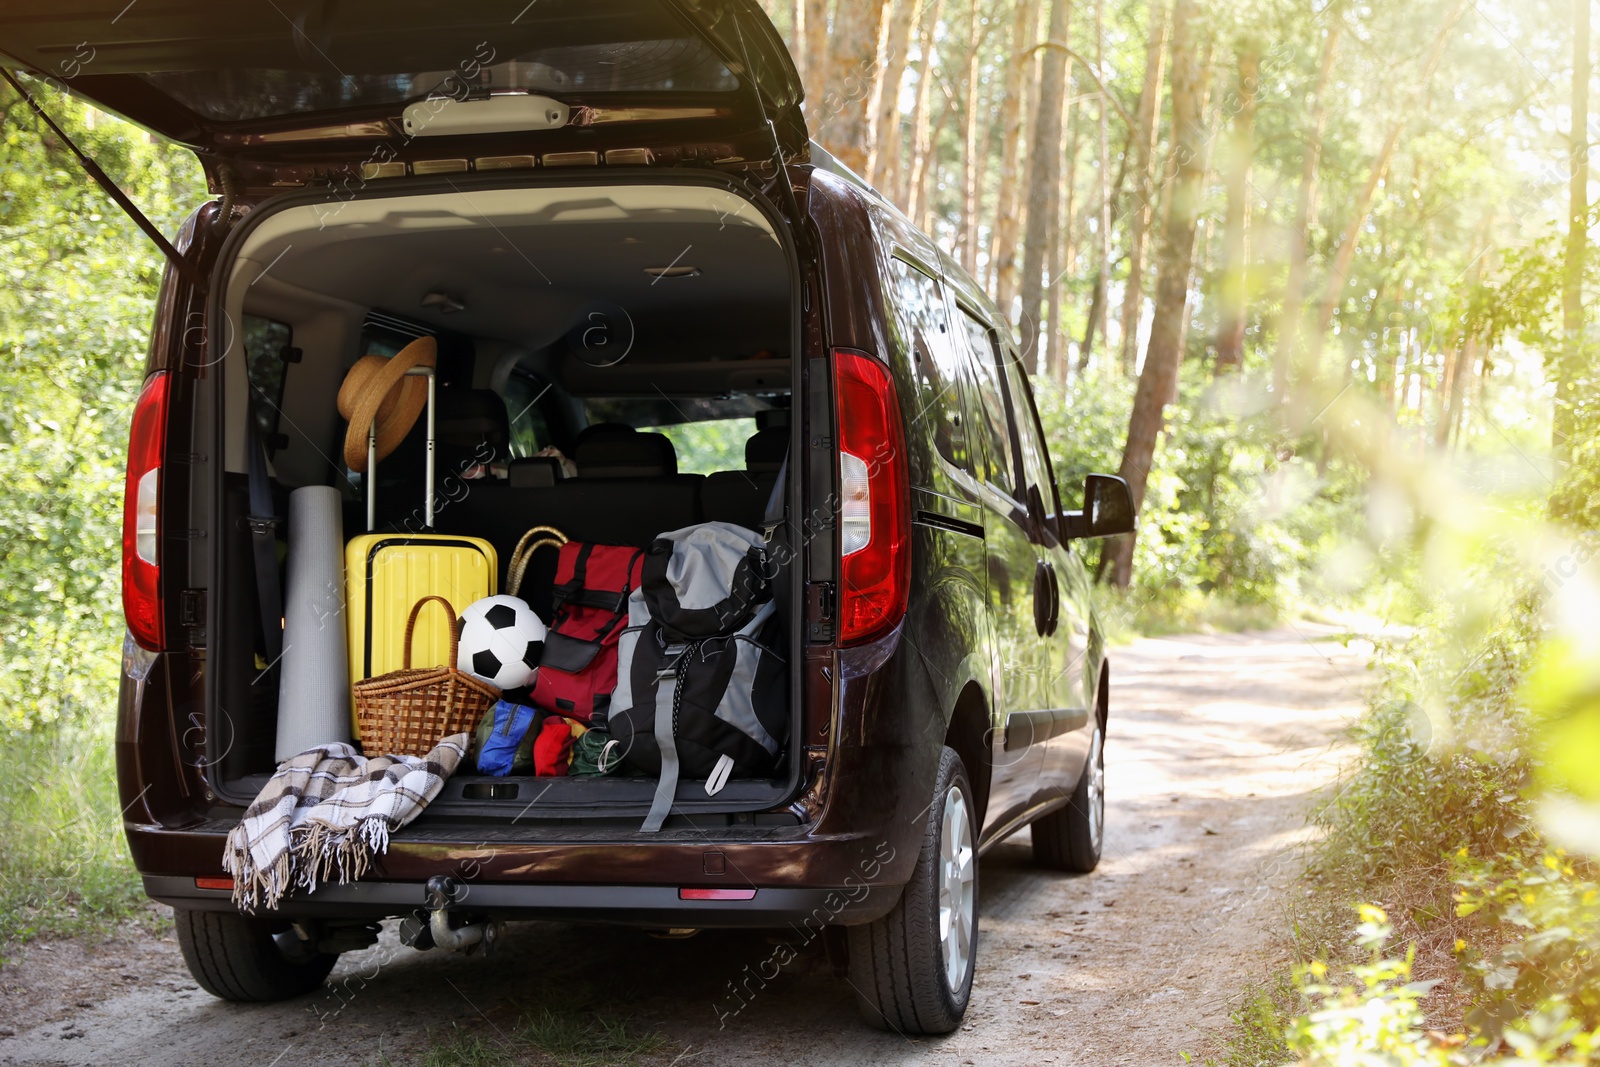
(377, 387)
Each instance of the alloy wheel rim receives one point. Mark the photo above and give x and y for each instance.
(957, 869)
(1097, 789)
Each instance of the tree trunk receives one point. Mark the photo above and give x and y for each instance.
(1299, 235)
(1062, 257)
(855, 69)
(1144, 144)
(1574, 351)
(797, 36)
(1174, 259)
(1097, 304)
(1044, 172)
(980, 174)
(1445, 399)
(884, 154)
(1466, 365)
(816, 62)
(1234, 305)
(1103, 180)
(916, 187)
(1003, 247)
(1339, 271)
(971, 164)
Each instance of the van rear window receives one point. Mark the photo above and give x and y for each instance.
(361, 58)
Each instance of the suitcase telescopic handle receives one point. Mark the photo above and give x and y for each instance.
(411, 627)
(372, 457)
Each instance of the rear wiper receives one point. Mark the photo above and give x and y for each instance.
(102, 179)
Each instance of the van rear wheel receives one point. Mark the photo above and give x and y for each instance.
(912, 969)
(1070, 838)
(243, 960)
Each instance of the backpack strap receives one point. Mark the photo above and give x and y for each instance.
(580, 566)
(263, 522)
(669, 698)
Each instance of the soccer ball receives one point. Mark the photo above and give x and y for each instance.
(501, 641)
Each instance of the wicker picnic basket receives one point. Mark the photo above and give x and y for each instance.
(409, 711)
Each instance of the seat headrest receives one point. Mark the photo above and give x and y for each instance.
(626, 455)
(600, 429)
(766, 448)
(534, 472)
(467, 417)
(766, 420)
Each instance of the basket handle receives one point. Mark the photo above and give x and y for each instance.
(522, 555)
(455, 630)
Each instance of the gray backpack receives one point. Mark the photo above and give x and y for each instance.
(701, 687)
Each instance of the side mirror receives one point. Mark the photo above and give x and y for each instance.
(1107, 509)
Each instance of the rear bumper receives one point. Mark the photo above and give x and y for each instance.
(572, 873)
(627, 905)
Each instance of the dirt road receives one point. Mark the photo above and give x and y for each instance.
(1217, 745)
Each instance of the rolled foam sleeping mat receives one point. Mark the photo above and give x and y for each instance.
(314, 691)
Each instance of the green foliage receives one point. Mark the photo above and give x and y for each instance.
(1257, 1037)
(1231, 516)
(75, 316)
(1380, 1020)
(1443, 759)
(1553, 960)
(709, 445)
(1460, 753)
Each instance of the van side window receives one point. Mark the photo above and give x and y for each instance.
(997, 461)
(529, 429)
(264, 342)
(1039, 491)
(933, 354)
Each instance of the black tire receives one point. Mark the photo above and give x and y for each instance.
(1070, 838)
(242, 960)
(898, 964)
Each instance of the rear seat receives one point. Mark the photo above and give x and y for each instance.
(628, 490)
(741, 496)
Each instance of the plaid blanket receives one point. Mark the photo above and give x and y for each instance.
(326, 813)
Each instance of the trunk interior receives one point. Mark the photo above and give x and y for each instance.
(667, 306)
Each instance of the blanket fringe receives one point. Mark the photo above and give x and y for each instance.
(318, 854)
(282, 846)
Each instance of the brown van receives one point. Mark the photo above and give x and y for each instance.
(606, 213)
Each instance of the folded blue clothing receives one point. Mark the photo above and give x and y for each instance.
(497, 753)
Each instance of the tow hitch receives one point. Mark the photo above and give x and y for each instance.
(431, 928)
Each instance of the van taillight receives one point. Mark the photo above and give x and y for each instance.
(141, 515)
(874, 531)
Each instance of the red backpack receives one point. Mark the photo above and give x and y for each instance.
(578, 670)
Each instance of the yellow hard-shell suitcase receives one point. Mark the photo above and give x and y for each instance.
(385, 574)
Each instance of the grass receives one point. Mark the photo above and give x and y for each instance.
(1255, 1038)
(567, 1038)
(586, 1040)
(66, 869)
